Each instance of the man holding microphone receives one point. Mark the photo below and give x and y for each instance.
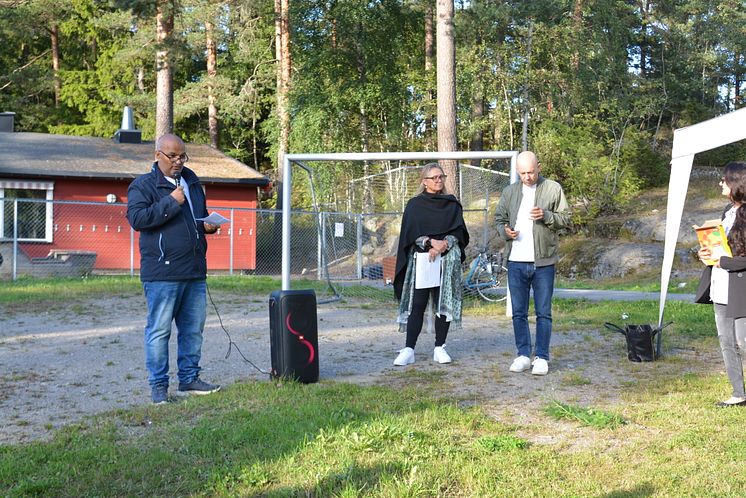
(163, 206)
(529, 215)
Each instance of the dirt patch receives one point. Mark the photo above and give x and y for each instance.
(63, 363)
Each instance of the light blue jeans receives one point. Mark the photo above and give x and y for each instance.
(732, 337)
(185, 303)
(522, 277)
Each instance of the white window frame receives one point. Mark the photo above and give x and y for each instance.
(29, 185)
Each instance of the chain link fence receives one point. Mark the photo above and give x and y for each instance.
(347, 252)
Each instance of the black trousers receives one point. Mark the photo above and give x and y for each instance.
(414, 322)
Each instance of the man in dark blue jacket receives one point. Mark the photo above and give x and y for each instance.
(163, 206)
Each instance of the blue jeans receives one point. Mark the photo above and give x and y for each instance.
(185, 303)
(522, 277)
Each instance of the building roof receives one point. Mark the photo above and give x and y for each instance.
(53, 156)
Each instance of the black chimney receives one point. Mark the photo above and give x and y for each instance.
(127, 134)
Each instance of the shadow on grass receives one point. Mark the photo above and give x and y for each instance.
(639, 491)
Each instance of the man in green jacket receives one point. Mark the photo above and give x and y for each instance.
(529, 216)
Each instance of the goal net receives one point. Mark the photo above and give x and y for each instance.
(342, 229)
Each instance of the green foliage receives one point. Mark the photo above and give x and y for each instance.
(502, 442)
(592, 179)
(601, 87)
(586, 416)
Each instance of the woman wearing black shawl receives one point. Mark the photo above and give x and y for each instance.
(432, 225)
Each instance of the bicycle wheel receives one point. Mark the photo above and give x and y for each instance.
(487, 283)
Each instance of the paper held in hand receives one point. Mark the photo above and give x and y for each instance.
(426, 272)
(711, 234)
(214, 219)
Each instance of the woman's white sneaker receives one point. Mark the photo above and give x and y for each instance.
(440, 355)
(406, 357)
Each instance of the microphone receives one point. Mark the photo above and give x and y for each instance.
(177, 177)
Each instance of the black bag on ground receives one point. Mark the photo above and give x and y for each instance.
(639, 339)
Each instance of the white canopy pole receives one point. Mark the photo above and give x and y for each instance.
(688, 141)
(677, 186)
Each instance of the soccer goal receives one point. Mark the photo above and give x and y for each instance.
(355, 221)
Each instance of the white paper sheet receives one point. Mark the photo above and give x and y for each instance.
(214, 219)
(426, 272)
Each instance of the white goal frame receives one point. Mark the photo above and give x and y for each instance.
(287, 178)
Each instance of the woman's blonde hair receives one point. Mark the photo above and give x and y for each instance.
(426, 172)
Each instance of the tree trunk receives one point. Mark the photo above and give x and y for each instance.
(644, 10)
(429, 56)
(164, 96)
(737, 80)
(477, 137)
(446, 60)
(577, 22)
(141, 79)
(476, 142)
(363, 79)
(526, 95)
(54, 35)
(282, 54)
(212, 70)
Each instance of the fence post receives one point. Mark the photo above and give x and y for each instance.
(359, 237)
(320, 271)
(132, 252)
(460, 183)
(15, 239)
(486, 214)
(231, 243)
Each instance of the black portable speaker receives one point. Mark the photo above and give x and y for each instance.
(293, 335)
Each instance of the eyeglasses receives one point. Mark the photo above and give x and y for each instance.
(436, 178)
(173, 157)
(722, 180)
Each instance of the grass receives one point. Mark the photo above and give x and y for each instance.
(330, 439)
(586, 416)
(335, 439)
(27, 290)
(690, 321)
(641, 282)
(575, 379)
(32, 290)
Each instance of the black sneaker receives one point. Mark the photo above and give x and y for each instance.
(159, 394)
(197, 386)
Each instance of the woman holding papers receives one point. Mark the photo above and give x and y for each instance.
(727, 282)
(428, 263)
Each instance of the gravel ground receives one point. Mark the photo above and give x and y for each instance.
(64, 362)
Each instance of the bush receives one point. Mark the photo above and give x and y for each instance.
(598, 178)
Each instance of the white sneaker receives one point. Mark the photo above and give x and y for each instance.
(406, 357)
(541, 367)
(520, 364)
(440, 355)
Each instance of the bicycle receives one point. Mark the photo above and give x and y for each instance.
(487, 274)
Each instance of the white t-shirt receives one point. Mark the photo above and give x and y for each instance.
(186, 191)
(719, 279)
(522, 249)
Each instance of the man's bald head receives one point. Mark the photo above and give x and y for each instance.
(528, 168)
(170, 153)
(170, 139)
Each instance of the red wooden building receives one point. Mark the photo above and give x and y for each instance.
(87, 180)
